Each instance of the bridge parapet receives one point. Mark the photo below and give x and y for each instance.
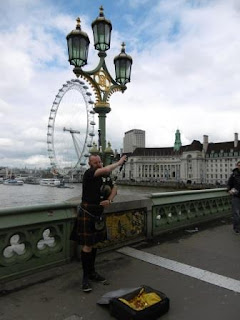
(174, 210)
(36, 238)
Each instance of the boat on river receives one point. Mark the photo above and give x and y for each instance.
(32, 180)
(63, 185)
(13, 182)
(50, 182)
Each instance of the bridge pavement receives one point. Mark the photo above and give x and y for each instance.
(214, 249)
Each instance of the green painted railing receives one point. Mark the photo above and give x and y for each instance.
(35, 238)
(176, 210)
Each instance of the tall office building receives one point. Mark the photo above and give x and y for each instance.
(133, 139)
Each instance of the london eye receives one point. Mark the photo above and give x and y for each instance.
(70, 129)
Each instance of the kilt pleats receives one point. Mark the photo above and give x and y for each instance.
(84, 231)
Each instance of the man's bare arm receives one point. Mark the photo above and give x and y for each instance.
(106, 170)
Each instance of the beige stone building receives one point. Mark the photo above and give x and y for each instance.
(207, 163)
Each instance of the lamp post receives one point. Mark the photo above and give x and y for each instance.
(99, 78)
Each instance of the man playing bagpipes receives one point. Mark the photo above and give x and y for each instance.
(97, 193)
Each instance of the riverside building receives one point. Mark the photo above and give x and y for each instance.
(201, 163)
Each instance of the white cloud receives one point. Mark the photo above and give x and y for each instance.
(185, 74)
(4, 142)
(196, 72)
(39, 161)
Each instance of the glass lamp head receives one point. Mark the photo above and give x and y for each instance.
(78, 43)
(102, 32)
(123, 66)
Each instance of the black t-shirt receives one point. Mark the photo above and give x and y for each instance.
(91, 187)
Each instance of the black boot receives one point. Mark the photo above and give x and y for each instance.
(86, 258)
(93, 275)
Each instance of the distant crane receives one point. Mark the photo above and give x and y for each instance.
(75, 142)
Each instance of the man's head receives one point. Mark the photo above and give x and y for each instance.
(238, 165)
(95, 162)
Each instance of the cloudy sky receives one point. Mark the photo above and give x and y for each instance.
(185, 73)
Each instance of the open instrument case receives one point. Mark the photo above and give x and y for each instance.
(137, 305)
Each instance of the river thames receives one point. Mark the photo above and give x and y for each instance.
(30, 194)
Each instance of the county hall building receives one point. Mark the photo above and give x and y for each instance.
(204, 163)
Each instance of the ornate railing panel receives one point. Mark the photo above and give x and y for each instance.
(37, 237)
(174, 210)
(33, 238)
(125, 226)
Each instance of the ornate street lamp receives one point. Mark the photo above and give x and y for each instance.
(99, 78)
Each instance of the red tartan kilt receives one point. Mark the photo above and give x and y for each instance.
(84, 231)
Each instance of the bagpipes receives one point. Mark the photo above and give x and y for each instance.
(108, 182)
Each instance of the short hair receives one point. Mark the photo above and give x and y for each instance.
(92, 156)
(238, 162)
